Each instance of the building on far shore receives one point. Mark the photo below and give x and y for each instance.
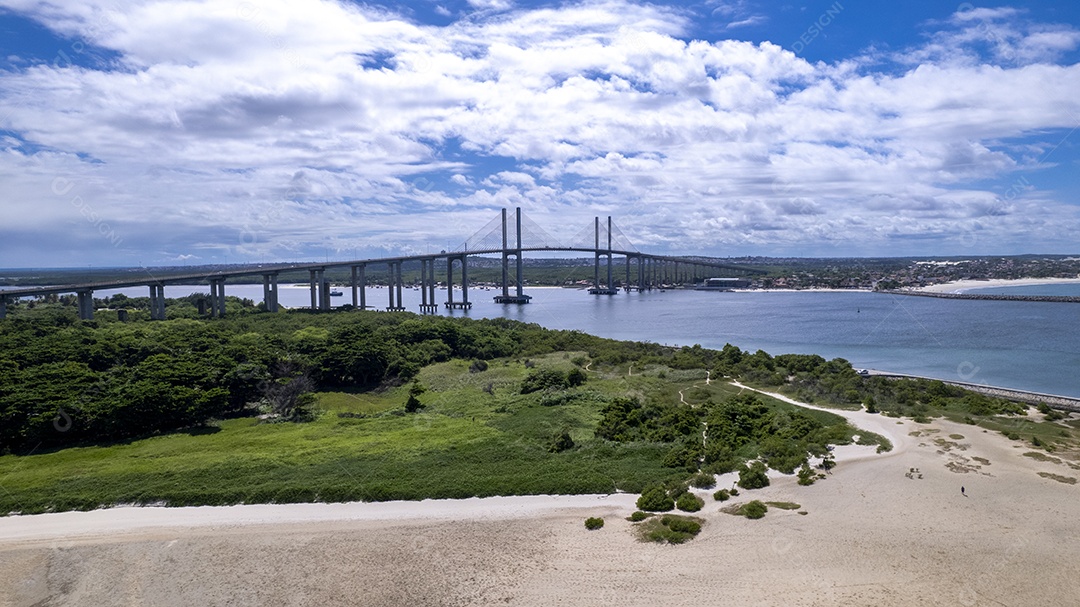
(724, 284)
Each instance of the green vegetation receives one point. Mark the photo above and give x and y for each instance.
(703, 480)
(592, 523)
(806, 475)
(784, 505)
(670, 528)
(655, 499)
(753, 476)
(753, 510)
(356, 405)
(688, 502)
(638, 516)
(722, 495)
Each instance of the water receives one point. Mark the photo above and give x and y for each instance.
(1063, 289)
(1024, 345)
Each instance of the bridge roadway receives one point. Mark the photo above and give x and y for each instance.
(652, 272)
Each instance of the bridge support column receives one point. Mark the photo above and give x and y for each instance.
(270, 292)
(359, 285)
(314, 278)
(86, 305)
(157, 302)
(393, 285)
(427, 285)
(217, 298)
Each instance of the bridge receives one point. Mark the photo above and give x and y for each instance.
(601, 239)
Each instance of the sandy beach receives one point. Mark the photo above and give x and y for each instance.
(874, 533)
(961, 286)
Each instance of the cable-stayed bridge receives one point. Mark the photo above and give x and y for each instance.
(507, 236)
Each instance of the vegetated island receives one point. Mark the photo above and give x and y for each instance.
(370, 406)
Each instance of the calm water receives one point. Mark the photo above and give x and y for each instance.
(1025, 345)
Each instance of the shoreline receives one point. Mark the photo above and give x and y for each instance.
(962, 286)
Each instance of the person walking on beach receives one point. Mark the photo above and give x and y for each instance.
(962, 491)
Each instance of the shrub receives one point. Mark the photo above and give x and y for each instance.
(703, 481)
(754, 509)
(576, 377)
(638, 516)
(688, 502)
(655, 499)
(542, 379)
(734, 492)
(806, 475)
(593, 523)
(754, 476)
(561, 442)
(413, 404)
(672, 529)
(478, 366)
(722, 495)
(680, 524)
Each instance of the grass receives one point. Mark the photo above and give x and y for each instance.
(465, 443)
(784, 505)
(476, 436)
(1068, 480)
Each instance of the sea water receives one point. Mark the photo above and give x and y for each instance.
(1023, 345)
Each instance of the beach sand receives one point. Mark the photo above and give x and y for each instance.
(874, 534)
(961, 286)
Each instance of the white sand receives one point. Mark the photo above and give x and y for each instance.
(875, 534)
(960, 286)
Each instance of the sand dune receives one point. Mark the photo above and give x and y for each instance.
(874, 534)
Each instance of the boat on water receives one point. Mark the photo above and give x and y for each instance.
(336, 293)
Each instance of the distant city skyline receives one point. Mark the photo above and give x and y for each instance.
(170, 133)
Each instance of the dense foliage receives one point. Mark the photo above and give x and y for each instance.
(741, 427)
(65, 381)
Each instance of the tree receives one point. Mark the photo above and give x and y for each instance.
(561, 442)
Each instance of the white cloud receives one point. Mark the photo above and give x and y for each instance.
(292, 127)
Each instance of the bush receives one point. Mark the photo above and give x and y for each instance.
(688, 502)
(754, 476)
(721, 495)
(734, 492)
(754, 509)
(703, 481)
(593, 523)
(638, 516)
(806, 475)
(670, 528)
(655, 499)
(561, 442)
(413, 404)
(478, 366)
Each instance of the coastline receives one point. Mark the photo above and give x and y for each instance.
(962, 286)
(894, 537)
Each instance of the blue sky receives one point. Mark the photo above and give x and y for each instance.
(179, 132)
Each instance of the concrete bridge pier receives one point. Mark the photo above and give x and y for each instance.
(393, 286)
(86, 304)
(270, 292)
(359, 286)
(157, 301)
(217, 298)
(464, 303)
(427, 286)
(320, 289)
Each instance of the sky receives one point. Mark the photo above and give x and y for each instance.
(177, 132)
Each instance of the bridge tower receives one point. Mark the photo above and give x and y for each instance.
(506, 297)
(609, 288)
